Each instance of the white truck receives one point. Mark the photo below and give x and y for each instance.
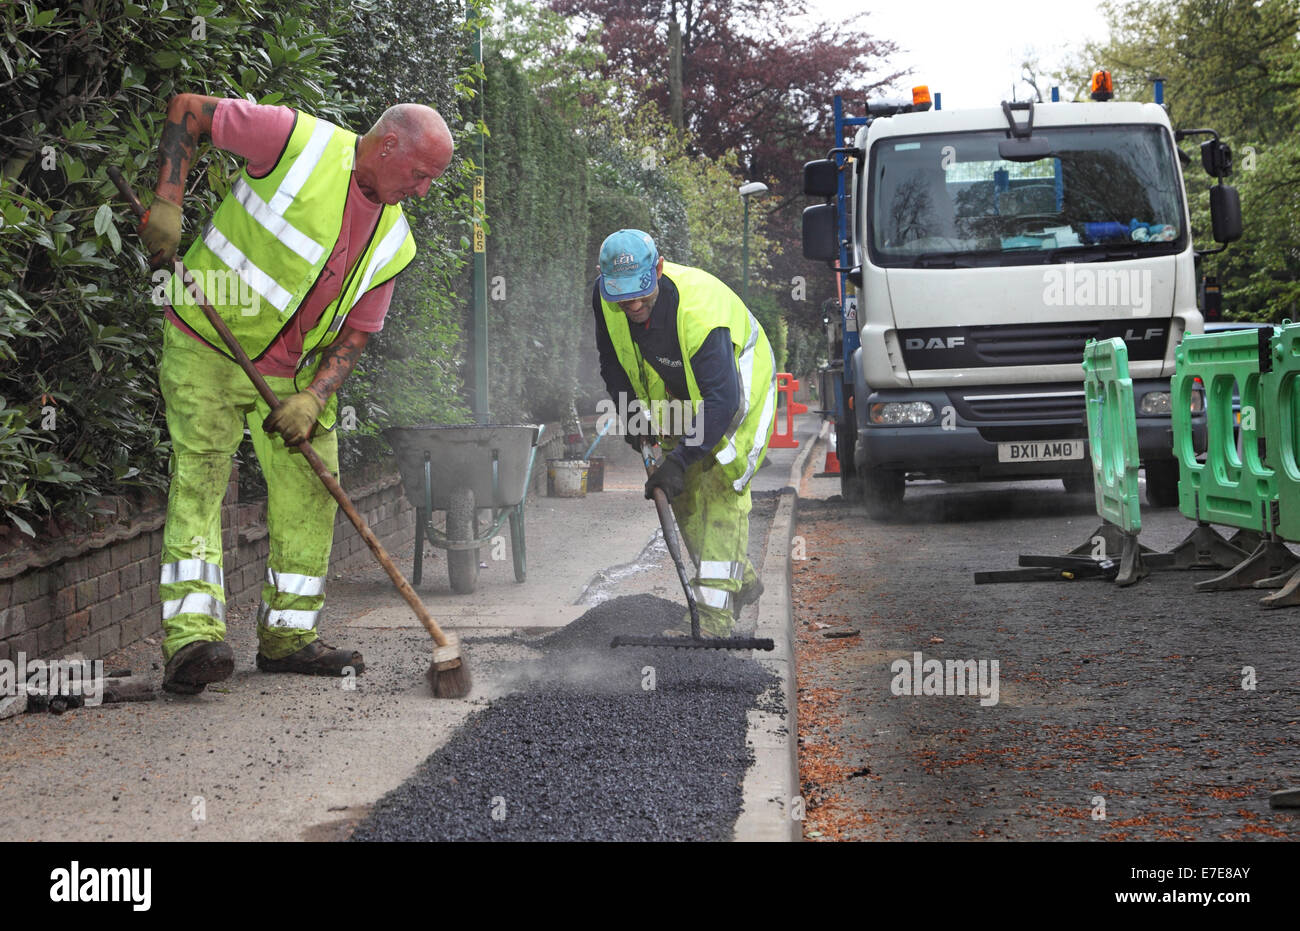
(976, 252)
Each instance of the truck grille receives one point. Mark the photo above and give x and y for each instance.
(1047, 412)
(1027, 344)
(1021, 405)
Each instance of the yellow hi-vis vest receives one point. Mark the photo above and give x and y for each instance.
(268, 240)
(705, 304)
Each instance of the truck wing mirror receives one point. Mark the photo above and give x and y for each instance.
(821, 178)
(1225, 213)
(821, 233)
(1029, 149)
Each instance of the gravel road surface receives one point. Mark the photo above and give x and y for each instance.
(1145, 713)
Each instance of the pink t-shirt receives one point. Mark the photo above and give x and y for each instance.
(259, 134)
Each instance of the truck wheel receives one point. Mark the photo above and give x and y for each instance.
(1162, 483)
(850, 490)
(462, 524)
(882, 493)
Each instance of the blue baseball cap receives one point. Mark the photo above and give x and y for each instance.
(628, 260)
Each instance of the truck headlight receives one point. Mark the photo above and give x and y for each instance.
(907, 413)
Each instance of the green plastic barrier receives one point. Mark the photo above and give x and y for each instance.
(1281, 419)
(1230, 487)
(1112, 432)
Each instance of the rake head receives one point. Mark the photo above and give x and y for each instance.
(694, 643)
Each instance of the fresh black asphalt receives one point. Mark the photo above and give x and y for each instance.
(598, 744)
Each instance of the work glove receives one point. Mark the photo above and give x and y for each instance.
(160, 231)
(637, 431)
(295, 417)
(670, 476)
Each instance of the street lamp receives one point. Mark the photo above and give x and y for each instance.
(746, 191)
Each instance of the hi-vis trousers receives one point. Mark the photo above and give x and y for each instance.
(209, 399)
(714, 523)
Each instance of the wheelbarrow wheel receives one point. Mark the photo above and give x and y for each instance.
(462, 524)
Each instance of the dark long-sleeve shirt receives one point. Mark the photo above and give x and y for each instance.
(714, 366)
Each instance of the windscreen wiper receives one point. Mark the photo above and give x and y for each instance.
(950, 260)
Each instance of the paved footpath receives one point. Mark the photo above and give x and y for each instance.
(285, 757)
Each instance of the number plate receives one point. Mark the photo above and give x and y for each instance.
(1041, 451)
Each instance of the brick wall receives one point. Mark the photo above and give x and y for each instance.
(99, 592)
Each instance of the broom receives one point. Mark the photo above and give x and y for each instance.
(448, 675)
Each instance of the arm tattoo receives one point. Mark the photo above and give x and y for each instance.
(176, 151)
(337, 361)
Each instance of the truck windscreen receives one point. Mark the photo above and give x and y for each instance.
(1106, 191)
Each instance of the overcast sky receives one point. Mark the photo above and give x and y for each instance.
(971, 51)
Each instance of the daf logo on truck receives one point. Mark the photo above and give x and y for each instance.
(935, 342)
(983, 250)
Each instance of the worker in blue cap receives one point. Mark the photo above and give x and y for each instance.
(679, 341)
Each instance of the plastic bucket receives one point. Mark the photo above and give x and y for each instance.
(567, 478)
(596, 474)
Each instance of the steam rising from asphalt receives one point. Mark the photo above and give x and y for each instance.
(598, 671)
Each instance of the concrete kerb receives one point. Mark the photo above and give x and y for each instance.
(771, 785)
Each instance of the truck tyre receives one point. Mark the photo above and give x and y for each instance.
(1162, 483)
(882, 492)
(850, 489)
(462, 524)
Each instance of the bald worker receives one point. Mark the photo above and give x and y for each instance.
(300, 260)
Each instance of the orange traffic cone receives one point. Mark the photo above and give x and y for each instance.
(832, 466)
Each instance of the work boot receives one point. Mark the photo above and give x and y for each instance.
(197, 664)
(749, 594)
(315, 659)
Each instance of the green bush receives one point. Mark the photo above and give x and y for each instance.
(81, 90)
(537, 186)
(411, 371)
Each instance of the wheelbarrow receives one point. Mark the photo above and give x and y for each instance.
(464, 470)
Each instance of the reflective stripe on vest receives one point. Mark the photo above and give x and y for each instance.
(705, 304)
(275, 222)
(269, 239)
(384, 253)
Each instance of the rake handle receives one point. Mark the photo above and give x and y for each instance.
(669, 527)
(313, 458)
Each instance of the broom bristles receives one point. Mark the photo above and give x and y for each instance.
(450, 682)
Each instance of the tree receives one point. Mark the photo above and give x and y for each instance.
(753, 84)
(1233, 65)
